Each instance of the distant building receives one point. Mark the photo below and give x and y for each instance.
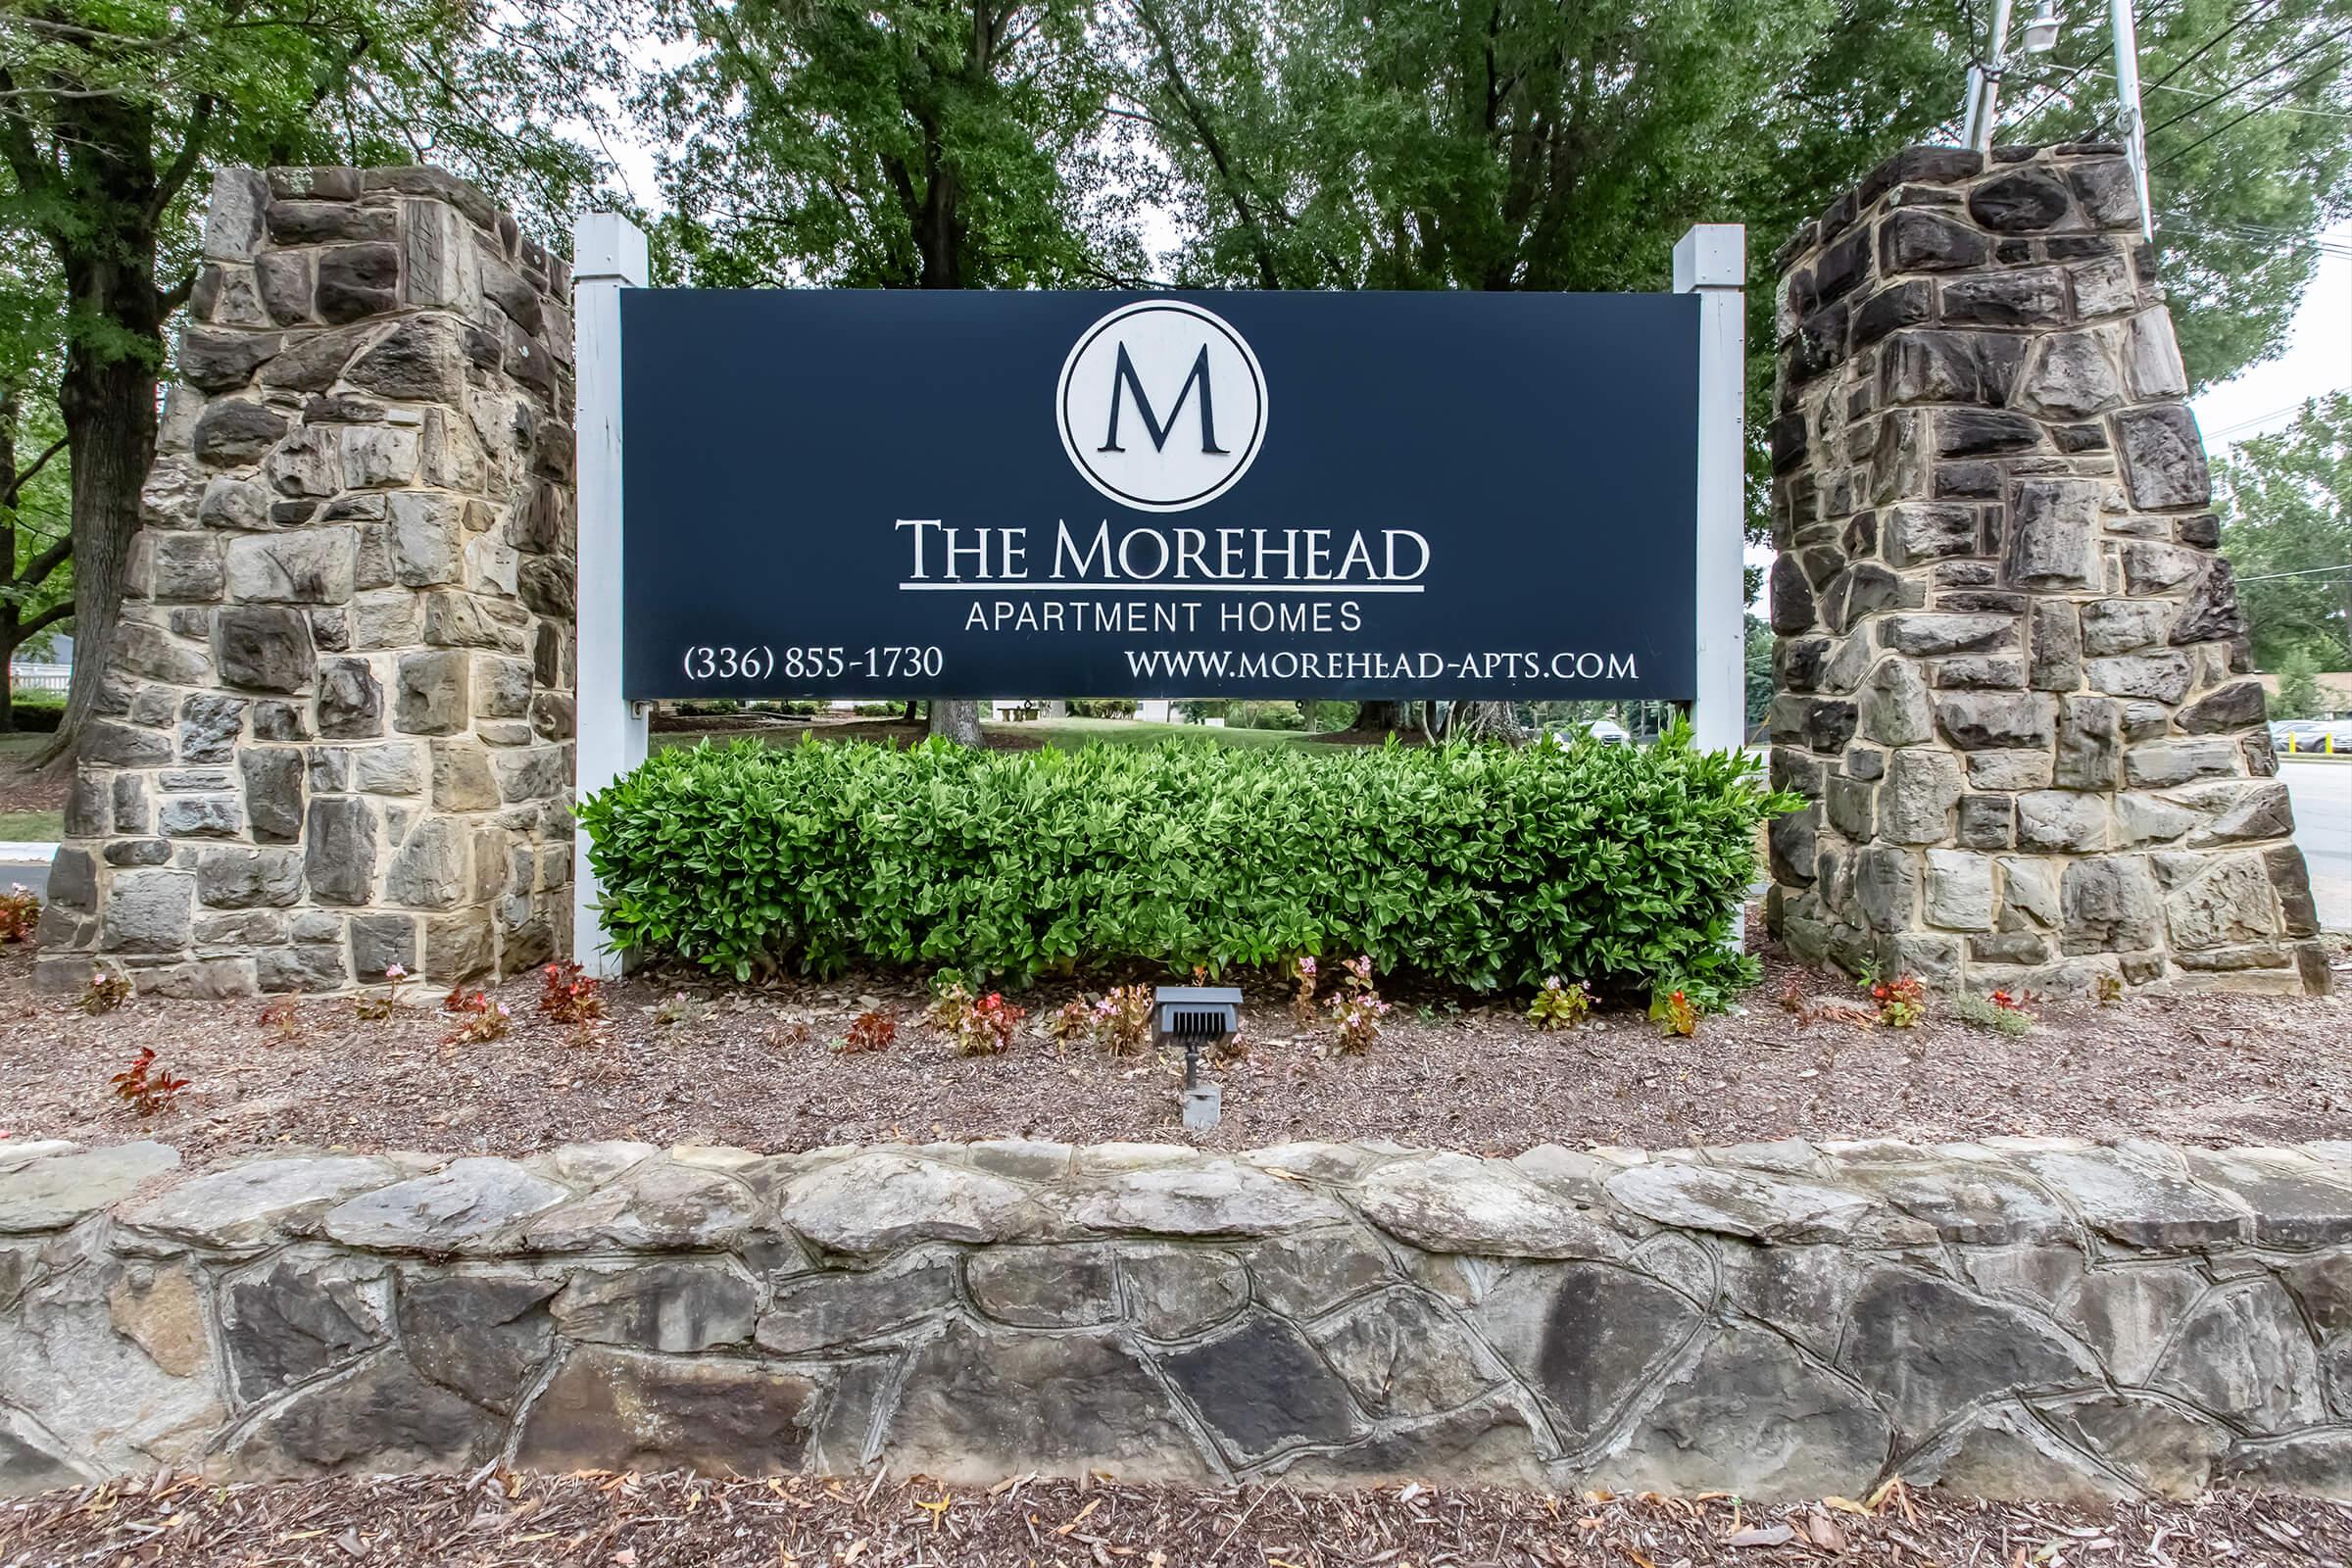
(2335, 693)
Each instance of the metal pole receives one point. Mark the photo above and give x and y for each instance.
(1711, 262)
(608, 255)
(1984, 102)
(2128, 121)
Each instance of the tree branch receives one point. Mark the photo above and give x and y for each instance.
(15, 486)
(34, 173)
(200, 124)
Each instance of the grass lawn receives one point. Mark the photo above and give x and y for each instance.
(31, 827)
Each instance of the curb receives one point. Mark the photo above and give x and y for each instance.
(26, 853)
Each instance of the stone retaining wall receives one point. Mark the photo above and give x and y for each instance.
(2011, 676)
(2012, 1317)
(336, 730)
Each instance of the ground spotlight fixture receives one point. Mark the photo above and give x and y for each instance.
(1196, 1016)
(2041, 33)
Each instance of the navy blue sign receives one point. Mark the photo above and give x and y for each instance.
(905, 494)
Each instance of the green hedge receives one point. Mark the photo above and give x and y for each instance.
(1476, 866)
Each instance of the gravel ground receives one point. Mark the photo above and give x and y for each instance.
(756, 1069)
(660, 1521)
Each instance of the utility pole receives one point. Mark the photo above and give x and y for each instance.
(1981, 112)
(1985, 84)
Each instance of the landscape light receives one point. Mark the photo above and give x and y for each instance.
(1196, 1016)
(2041, 33)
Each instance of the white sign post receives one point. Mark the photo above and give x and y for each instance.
(1711, 262)
(608, 255)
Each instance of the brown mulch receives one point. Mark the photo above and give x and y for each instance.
(28, 789)
(656, 1521)
(757, 1067)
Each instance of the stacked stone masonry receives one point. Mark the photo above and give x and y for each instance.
(2012, 677)
(2013, 1317)
(337, 735)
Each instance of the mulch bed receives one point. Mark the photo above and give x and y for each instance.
(657, 1521)
(757, 1067)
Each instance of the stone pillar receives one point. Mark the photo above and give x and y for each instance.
(336, 731)
(2011, 673)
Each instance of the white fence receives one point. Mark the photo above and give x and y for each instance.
(40, 678)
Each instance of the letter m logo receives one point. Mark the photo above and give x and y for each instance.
(1125, 380)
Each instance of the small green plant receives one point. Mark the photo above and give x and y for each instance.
(20, 912)
(1902, 1002)
(107, 989)
(370, 1009)
(872, 1030)
(1303, 999)
(1560, 1004)
(567, 994)
(1357, 1011)
(1122, 1020)
(1074, 1019)
(281, 1021)
(1675, 1013)
(979, 1026)
(146, 1087)
(1990, 1012)
(2109, 989)
(490, 1021)
(678, 1007)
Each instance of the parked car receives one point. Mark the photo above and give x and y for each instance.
(1607, 731)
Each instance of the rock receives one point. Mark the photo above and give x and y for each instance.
(420, 361)
(1959, 890)
(2133, 1200)
(273, 779)
(2029, 298)
(616, 1410)
(1916, 802)
(468, 1208)
(658, 1205)
(307, 567)
(1964, 432)
(1587, 1337)
(351, 702)
(2163, 456)
(51, 1193)
(658, 1305)
(161, 1310)
(1745, 1204)
(1179, 1290)
(2110, 905)
(879, 1201)
(2169, 1452)
(73, 1353)
(2229, 904)
(148, 912)
(263, 648)
(1045, 1287)
(2295, 1200)
(1885, 887)
(432, 692)
(463, 780)
(1792, 597)
(428, 871)
(2210, 612)
(2061, 819)
(289, 1320)
(1981, 721)
(232, 431)
(1305, 1276)
(1456, 1203)
(1929, 1350)
(2161, 764)
(2244, 1355)
(340, 857)
(251, 1205)
(2161, 677)
(1894, 707)
(2232, 708)
(1261, 1386)
(183, 566)
(2025, 201)
(2052, 525)
(982, 1402)
(1931, 367)
(232, 878)
(1405, 1355)
(357, 280)
(833, 1311)
(1217, 1198)
(482, 1335)
(1926, 635)
(1916, 240)
(1752, 1416)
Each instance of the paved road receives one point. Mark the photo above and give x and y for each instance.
(2323, 797)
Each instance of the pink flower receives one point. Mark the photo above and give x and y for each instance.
(393, 972)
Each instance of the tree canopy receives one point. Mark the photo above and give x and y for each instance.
(2286, 527)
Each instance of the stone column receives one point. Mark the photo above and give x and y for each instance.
(2012, 675)
(336, 731)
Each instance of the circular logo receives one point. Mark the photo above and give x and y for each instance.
(1161, 406)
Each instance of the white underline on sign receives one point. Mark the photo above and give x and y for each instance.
(1158, 588)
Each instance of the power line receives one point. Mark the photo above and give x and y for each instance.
(2247, 16)
(2273, 576)
(2298, 84)
(2238, 86)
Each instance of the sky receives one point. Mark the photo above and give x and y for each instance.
(2318, 359)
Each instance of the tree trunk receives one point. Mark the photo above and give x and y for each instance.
(109, 409)
(914, 711)
(955, 718)
(1381, 718)
(1485, 721)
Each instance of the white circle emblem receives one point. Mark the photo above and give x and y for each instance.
(1161, 406)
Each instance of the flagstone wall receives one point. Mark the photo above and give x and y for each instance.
(2011, 676)
(2017, 1317)
(336, 730)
